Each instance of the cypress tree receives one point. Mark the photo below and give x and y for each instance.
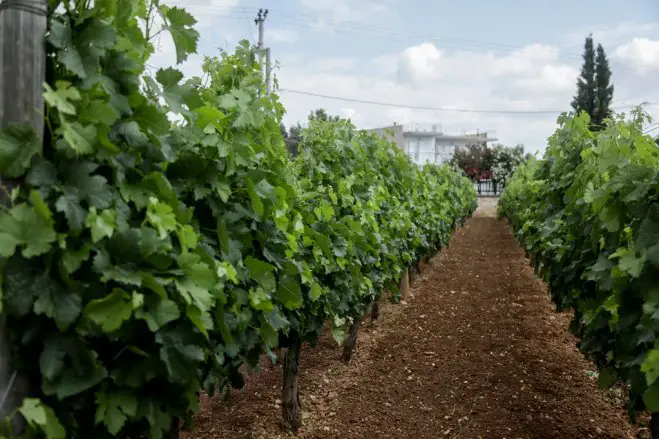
(604, 88)
(585, 100)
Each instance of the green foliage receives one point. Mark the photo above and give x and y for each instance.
(103, 281)
(588, 215)
(145, 261)
(594, 91)
(505, 160)
(497, 162)
(474, 160)
(371, 209)
(585, 98)
(604, 95)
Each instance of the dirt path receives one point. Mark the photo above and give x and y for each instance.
(476, 351)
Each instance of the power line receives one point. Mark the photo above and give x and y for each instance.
(304, 21)
(443, 42)
(650, 128)
(421, 107)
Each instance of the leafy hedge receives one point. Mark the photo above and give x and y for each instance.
(145, 261)
(588, 215)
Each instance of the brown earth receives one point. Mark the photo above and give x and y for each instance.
(475, 351)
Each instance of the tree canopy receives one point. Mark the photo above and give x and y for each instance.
(594, 89)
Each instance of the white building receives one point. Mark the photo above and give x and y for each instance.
(428, 143)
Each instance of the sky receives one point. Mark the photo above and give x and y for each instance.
(509, 66)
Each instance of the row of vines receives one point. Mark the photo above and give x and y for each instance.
(588, 216)
(145, 261)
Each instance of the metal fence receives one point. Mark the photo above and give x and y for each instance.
(489, 188)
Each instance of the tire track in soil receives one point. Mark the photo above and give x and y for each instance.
(476, 351)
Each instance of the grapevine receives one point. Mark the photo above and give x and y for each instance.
(146, 261)
(588, 216)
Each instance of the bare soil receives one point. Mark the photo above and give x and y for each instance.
(475, 351)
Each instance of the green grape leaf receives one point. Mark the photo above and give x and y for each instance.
(18, 145)
(269, 334)
(257, 203)
(200, 319)
(180, 24)
(101, 225)
(38, 414)
(60, 36)
(161, 217)
(111, 311)
(27, 227)
(114, 408)
(80, 138)
(104, 112)
(316, 291)
(62, 375)
(70, 206)
(42, 174)
(159, 420)
(61, 97)
(289, 292)
(209, 115)
(59, 304)
(631, 264)
(260, 300)
(180, 353)
(73, 259)
(277, 320)
(261, 272)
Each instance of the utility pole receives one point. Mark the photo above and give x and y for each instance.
(263, 52)
(22, 73)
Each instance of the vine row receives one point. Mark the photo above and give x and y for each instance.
(145, 261)
(588, 216)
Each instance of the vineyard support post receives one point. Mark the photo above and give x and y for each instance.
(405, 284)
(654, 426)
(23, 62)
(291, 410)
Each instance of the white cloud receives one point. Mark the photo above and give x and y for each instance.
(643, 53)
(419, 65)
(534, 77)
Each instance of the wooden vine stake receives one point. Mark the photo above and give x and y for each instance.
(405, 284)
(291, 408)
(23, 62)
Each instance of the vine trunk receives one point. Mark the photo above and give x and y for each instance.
(291, 409)
(349, 346)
